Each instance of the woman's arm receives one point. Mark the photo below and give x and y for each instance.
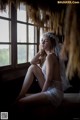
(49, 73)
(36, 59)
(39, 57)
(51, 63)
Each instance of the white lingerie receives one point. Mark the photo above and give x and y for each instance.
(53, 93)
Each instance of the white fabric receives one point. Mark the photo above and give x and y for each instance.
(55, 96)
(65, 80)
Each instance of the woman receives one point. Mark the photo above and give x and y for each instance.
(48, 75)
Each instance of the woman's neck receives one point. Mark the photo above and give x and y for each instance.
(49, 51)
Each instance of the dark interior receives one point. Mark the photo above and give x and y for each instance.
(11, 82)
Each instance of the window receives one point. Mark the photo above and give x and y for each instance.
(26, 40)
(5, 39)
(18, 37)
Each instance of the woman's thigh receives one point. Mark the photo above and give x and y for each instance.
(38, 98)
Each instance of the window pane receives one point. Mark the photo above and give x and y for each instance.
(21, 33)
(21, 13)
(41, 32)
(30, 52)
(35, 28)
(31, 33)
(4, 31)
(35, 49)
(22, 53)
(5, 55)
(5, 13)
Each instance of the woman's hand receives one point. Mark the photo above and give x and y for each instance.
(41, 50)
(39, 56)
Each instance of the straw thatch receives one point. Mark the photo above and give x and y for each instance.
(43, 13)
(72, 40)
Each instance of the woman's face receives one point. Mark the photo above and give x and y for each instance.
(46, 43)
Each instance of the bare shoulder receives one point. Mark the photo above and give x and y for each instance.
(52, 57)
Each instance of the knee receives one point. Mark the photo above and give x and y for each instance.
(32, 68)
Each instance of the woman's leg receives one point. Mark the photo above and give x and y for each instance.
(33, 70)
(32, 103)
(37, 98)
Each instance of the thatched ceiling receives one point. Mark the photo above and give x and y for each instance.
(46, 4)
(49, 9)
(43, 4)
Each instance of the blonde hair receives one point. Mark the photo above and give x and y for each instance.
(52, 37)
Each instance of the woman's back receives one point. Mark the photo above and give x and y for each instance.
(55, 81)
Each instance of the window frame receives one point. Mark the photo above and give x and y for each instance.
(7, 43)
(13, 36)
